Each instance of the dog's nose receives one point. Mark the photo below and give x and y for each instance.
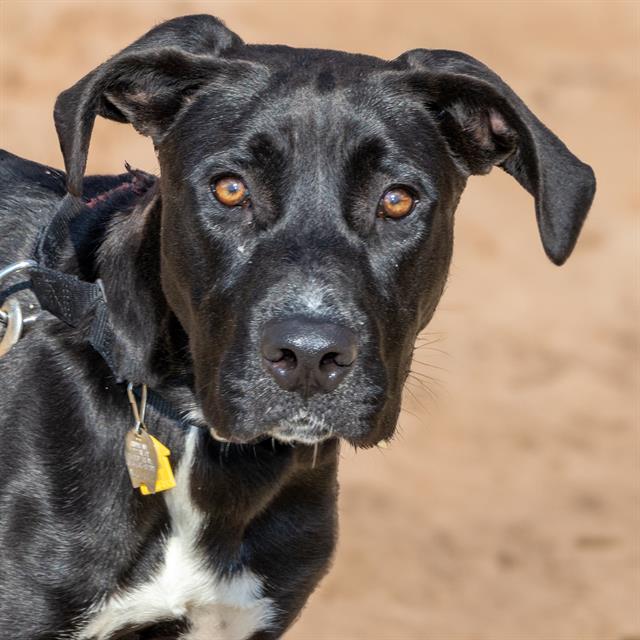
(308, 356)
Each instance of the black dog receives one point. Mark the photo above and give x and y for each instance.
(267, 287)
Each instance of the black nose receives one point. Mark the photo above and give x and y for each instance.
(308, 356)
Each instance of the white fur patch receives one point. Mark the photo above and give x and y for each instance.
(217, 608)
(302, 426)
(313, 296)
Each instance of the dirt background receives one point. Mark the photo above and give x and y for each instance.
(508, 508)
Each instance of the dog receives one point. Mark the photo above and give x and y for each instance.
(266, 289)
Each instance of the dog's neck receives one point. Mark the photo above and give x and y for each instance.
(150, 345)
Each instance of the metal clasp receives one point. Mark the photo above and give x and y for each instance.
(11, 313)
(138, 412)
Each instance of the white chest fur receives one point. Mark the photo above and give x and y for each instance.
(184, 585)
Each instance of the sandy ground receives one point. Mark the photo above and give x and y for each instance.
(508, 508)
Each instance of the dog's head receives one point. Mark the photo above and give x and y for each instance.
(307, 210)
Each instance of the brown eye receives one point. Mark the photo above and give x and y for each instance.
(230, 191)
(396, 203)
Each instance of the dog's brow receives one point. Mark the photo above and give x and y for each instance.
(265, 150)
(366, 157)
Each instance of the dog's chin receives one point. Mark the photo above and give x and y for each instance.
(298, 432)
(291, 437)
(290, 432)
(301, 427)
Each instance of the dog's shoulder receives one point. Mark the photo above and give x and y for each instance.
(22, 180)
(30, 193)
(16, 174)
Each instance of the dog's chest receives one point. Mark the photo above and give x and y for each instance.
(185, 586)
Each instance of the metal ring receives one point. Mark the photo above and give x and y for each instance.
(14, 326)
(17, 266)
(11, 313)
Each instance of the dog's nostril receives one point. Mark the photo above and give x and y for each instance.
(289, 356)
(285, 360)
(335, 359)
(344, 358)
(329, 359)
(272, 353)
(307, 355)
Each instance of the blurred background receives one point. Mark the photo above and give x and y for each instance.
(508, 507)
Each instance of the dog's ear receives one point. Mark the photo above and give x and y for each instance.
(146, 85)
(485, 124)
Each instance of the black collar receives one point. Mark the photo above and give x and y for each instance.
(79, 304)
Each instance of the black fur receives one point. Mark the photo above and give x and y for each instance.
(318, 136)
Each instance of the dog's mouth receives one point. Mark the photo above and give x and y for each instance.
(302, 428)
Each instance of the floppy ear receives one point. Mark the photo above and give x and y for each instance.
(485, 123)
(146, 85)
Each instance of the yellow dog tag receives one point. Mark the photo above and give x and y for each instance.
(146, 457)
(164, 473)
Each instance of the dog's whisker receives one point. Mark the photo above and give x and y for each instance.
(416, 398)
(422, 383)
(427, 340)
(431, 366)
(411, 413)
(423, 387)
(426, 376)
(428, 347)
(421, 350)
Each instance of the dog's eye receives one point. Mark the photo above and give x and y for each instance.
(396, 202)
(231, 191)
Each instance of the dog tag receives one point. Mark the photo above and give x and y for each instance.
(141, 458)
(164, 476)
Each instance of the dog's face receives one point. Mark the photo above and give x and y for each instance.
(307, 248)
(307, 211)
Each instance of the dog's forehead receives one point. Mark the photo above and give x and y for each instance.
(304, 65)
(311, 95)
(292, 109)
(306, 75)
